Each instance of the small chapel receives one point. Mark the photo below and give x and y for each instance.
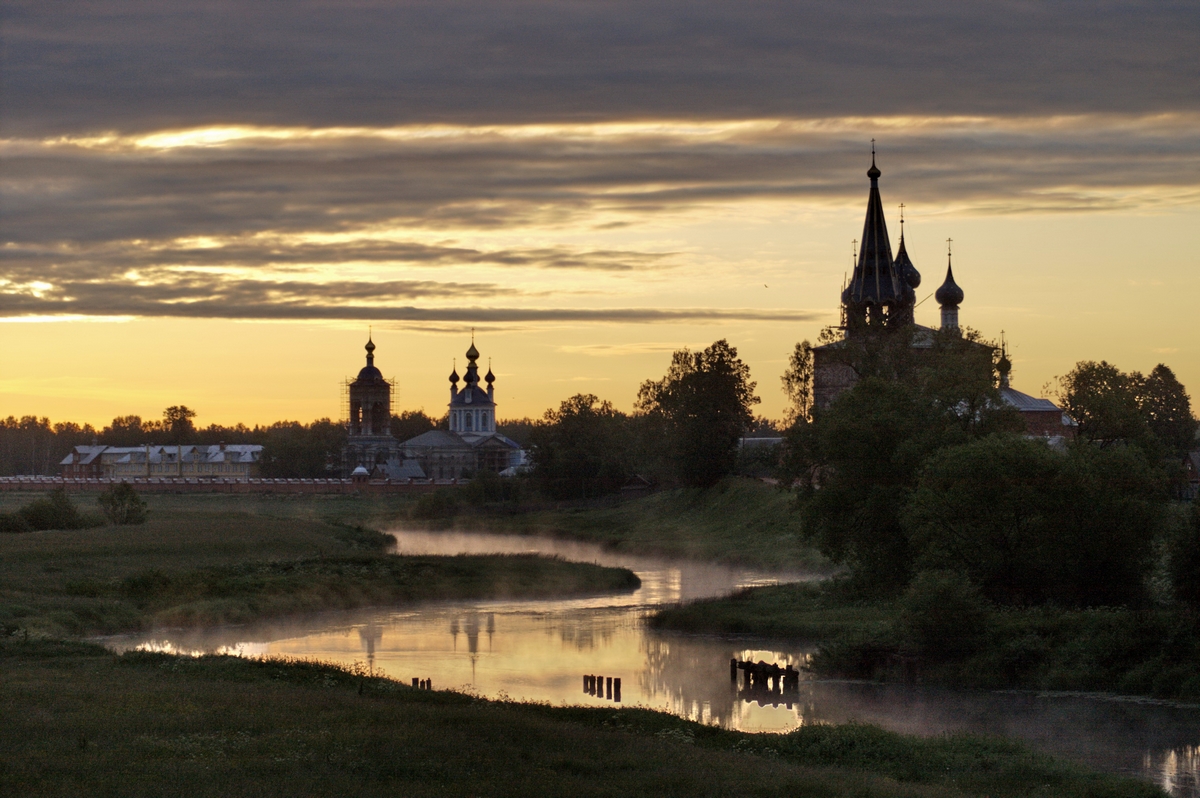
(881, 295)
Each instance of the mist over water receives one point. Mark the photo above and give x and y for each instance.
(540, 651)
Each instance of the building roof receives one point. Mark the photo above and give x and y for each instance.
(1026, 403)
(436, 439)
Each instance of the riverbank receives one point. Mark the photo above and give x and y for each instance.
(1153, 653)
(738, 522)
(82, 720)
(213, 562)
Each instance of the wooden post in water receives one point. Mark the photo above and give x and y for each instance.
(609, 689)
(733, 669)
(585, 683)
(415, 685)
(617, 689)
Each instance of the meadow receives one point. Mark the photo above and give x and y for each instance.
(82, 720)
(203, 560)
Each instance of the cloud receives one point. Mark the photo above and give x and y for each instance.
(115, 64)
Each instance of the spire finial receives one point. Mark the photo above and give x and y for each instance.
(873, 172)
(949, 241)
(854, 250)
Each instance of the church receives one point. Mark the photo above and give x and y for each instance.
(471, 442)
(881, 295)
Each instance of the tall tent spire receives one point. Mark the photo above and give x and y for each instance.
(877, 284)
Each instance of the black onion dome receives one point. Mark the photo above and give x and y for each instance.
(873, 172)
(454, 375)
(904, 266)
(472, 353)
(489, 378)
(949, 293)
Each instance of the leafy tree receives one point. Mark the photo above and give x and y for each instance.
(292, 449)
(411, 423)
(853, 467)
(177, 423)
(1029, 524)
(516, 429)
(1103, 400)
(798, 383)
(582, 449)
(704, 401)
(121, 504)
(1167, 409)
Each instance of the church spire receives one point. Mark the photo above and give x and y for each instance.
(877, 283)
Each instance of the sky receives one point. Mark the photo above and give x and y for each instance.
(211, 203)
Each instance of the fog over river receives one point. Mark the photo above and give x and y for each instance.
(541, 650)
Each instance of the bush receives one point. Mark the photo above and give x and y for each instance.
(55, 511)
(942, 615)
(14, 522)
(488, 487)
(436, 505)
(121, 504)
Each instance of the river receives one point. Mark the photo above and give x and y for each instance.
(541, 650)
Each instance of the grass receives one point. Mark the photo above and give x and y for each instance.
(209, 560)
(1150, 653)
(740, 521)
(82, 721)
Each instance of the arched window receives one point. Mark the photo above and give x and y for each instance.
(469, 426)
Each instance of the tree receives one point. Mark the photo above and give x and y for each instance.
(121, 504)
(410, 424)
(1167, 409)
(582, 449)
(1103, 400)
(1030, 525)
(177, 423)
(797, 383)
(705, 400)
(853, 467)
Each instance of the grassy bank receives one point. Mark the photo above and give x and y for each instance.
(1153, 653)
(740, 521)
(233, 559)
(80, 720)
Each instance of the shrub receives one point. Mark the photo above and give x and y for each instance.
(54, 511)
(942, 615)
(121, 504)
(14, 522)
(438, 504)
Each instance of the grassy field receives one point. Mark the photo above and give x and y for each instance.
(228, 559)
(741, 521)
(79, 720)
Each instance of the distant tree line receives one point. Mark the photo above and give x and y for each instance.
(32, 445)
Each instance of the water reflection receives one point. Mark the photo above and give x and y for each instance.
(539, 650)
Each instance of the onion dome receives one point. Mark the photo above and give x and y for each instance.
(369, 373)
(472, 353)
(490, 377)
(873, 172)
(904, 266)
(949, 294)
(454, 376)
